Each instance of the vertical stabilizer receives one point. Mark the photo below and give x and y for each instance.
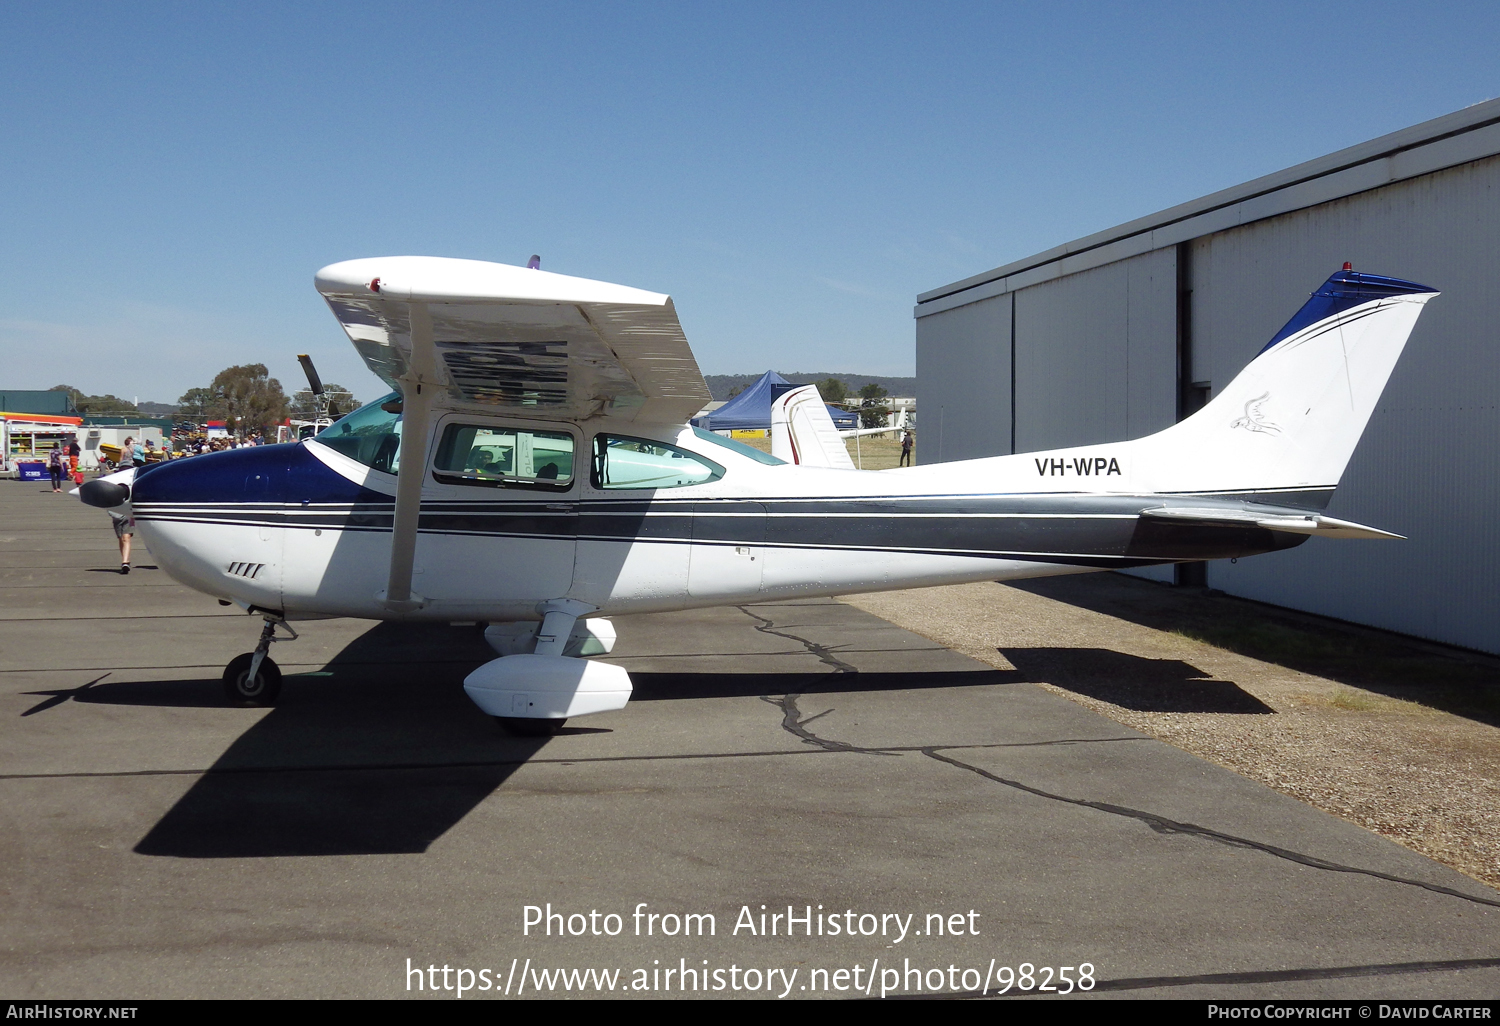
(1288, 423)
(802, 431)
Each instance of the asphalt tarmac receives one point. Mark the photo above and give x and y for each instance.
(963, 823)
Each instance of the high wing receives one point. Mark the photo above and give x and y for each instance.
(521, 341)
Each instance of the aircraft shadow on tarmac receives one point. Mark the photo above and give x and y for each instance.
(650, 687)
(381, 752)
(1132, 682)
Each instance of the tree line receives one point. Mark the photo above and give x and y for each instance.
(245, 397)
(873, 412)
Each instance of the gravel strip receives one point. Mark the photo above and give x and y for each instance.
(1395, 735)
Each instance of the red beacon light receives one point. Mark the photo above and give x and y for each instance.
(1347, 266)
(374, 285)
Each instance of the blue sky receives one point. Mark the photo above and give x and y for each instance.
(171, 175)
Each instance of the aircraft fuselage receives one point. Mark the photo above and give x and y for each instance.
(305, 529)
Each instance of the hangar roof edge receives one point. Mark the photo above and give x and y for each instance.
(1459, 123)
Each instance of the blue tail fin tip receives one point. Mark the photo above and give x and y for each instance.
(1342, 290)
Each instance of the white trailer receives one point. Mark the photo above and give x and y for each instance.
(91, 436)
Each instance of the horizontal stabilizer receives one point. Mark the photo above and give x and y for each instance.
(1293, 523)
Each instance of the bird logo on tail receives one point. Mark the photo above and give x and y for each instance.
(1253, 420)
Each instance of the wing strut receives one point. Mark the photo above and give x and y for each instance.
(419, 387)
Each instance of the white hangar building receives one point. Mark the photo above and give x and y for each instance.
(1121, 333)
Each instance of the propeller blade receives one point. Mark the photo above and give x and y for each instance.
(314, 382)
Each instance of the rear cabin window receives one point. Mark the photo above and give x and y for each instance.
(505, 457)
(624, 462)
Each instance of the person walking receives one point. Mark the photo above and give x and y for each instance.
(907, 441)
(55, 464)
(124, 531)
(74, 452)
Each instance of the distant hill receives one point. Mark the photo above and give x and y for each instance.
(157, 409)
(722, 384)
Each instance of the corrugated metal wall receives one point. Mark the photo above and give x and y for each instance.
(963, 362)
(1096, 354)
(1077, 339)
(1429, 464)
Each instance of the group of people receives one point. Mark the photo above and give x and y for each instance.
(134, 453)
(184, 444)
(199, 444)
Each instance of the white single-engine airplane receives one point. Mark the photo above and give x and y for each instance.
(534, 469)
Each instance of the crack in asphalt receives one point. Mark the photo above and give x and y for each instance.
(793, 722)
(823, 652)
(1163, 825)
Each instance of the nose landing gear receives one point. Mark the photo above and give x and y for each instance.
(254, 679)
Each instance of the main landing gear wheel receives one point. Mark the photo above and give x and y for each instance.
(244, 692)
(527, 727)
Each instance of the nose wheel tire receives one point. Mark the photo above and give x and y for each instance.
(527, 727)
(244, 692)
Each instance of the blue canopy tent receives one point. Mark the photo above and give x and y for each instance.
(751, 409)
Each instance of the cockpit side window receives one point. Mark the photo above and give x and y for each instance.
(505, 457)
(371, 434)
(624, 462)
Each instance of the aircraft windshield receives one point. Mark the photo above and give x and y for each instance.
(371, 434)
